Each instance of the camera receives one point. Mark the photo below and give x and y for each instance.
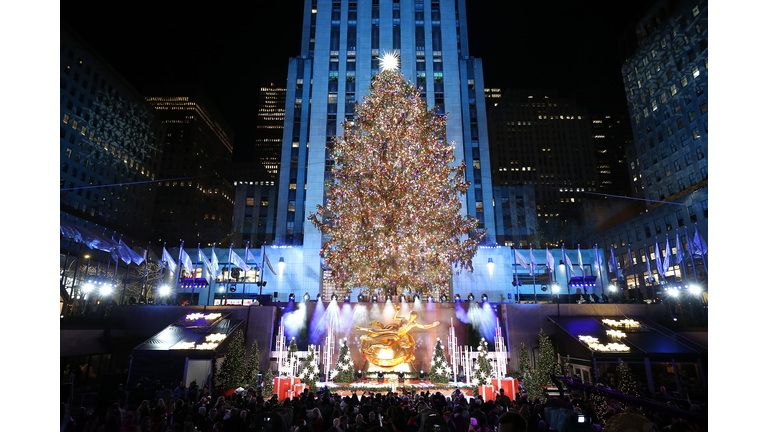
(581, 418)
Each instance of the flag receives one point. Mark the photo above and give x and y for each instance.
(115, 253)
(532, 261)
(679, 247)
(269, 264)
(699, 246)
(250, 258)
(214, 263)
(186, 262)
(667, 253)
(520, 259)
(613, 265)
(133, 256)
(648, 263)
(141, 255)
(169, 259)
(236, 260)
(201, 256)
(153, 257)
(567, 261)
(598, 260)
(581, 264)
(550, 260)
(659, 264)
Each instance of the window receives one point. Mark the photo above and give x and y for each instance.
(704, 172)
(657, 226)
(696, 134)
(647, 231)
(681, 184)
(699, 153)
(667, 171)
(680, 124)
(642, 254)
(668, 222)
(691, 116)
(249, 201)
(692, 214)
(705, 207)
(673, 90)
(695, 11)
(637, 233)
(692, 178)
(66, 119)
(703, 107)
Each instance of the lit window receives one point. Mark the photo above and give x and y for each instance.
(673, 90)
(66, 118)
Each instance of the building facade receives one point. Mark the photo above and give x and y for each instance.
(612, 135)
(270, 120)
(341, 44)
(195, 200)
(110, 145)
(515, 215)
(538, 138)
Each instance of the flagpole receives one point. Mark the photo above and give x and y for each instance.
(229, 273)
(546, 257)
(194, 277)
(702, 252)
(117, 261)
(125, 280)
(178, 274)
(533, 273)
(599, 271)
(567, 278)
(261, 270)
(144, 277)
(517, 283)
(160, 279)
(693, 259)
(583, 276)
(247, 243)
(678, 248)
(210, 285)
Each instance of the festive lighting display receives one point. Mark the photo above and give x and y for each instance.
(595, 345)
(394, 218)
(197, 316)
(616, 333)
(622, 323)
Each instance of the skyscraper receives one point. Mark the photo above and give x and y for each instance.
(341, 44)
(195, 201)
(270, 119)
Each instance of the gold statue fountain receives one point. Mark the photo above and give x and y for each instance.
(391, 345)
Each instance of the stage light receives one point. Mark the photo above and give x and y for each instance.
(612, 288)
(471, 297)
(485, 297)
(319, 297)
(694, 289)
(292, 297)
(281, 264)
(106, 290)
(306, 297)
(375, 298)
(87, 287)
(346, 298)
(444, 298)
(429, 298)
(673, 292)
(490, 263)
(457, 298)
(359, 374)
(402, 299)
(555, 288)
(421, 375)
(333, 297)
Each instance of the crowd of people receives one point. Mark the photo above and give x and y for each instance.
(161, 408)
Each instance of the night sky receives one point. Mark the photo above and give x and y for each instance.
(556, 44)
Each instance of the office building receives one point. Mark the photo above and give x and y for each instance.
(270, 120)
(195, 199)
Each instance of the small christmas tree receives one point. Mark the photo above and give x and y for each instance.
(292, 358)
(482, 374)
(546, 367)
(233, 370)
(525, 366)
(344, 372)
(254, 357)
(440, 371)
(599, 405)
(269, 385)
(627, 382)
(310, 370)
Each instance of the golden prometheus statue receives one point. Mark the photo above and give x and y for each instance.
(391, 345)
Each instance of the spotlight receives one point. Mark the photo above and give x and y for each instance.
(319, 297)
(429, 298)
(457, 298)
(612, 288)
(421, 375)
(359, 374)
(485, 298)
(555, 288)
(471, 297)
(106, 290)
(381, 375)
(233, 288)
(694, 289)
(346, 298)
(490, 263)
(417, 297)
(673, 293)
(291, 297)
(306, 297)
(401, 376)
(375, 298)
(281, 264)
(87, 287)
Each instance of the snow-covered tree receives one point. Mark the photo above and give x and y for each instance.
(344, 372)
(309, 373)
(440, 372)
(483, 373)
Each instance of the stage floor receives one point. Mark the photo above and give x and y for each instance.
(385, 386)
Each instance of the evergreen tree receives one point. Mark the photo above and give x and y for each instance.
(269, 385)
(546, 366)
(599, 405)
(252, 374)
(627, 382)
(344, 372)
(525, 366)
(394, 217)
(440, 372)
(309, 373)
(233, 369)
(483, 373)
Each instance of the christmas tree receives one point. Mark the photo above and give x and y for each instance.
(599, 405)
(627, 382)
(482, 374)
(232, 372)
(292, 358)
(440, 371)
(394, 217)
(253, 371)
(546, 366)
(310, 370)
(525, 366)
(269, 385)
(344, 372)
